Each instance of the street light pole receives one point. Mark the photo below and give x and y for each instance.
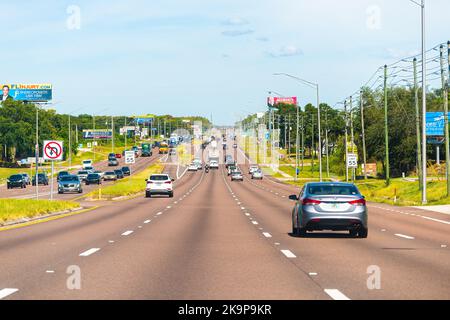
(424, 109)
(315, 86)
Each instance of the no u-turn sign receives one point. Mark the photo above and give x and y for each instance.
(53, 150)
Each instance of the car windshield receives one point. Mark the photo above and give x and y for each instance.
(323, 190)
(110, 173)
(69, 179)
(159, 178)
(93, 176)
(82, 172)
(16, 177)
(63, 173)
(125, 168)
(118, 171)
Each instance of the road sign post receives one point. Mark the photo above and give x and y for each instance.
(130, 157)
(53, 151)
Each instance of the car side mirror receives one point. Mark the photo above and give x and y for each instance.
(172, 180)
(146, 180)
(293, 197)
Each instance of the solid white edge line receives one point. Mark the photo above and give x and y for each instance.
(436, 220)
(7, 292)
(89, 252)
(335, 294)
(288, 253)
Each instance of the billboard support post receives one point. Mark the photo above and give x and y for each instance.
(51, 183)
(37, 152)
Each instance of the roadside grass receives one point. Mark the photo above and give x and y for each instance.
(5, 173)
(132, 185)
(15, 209)
(403, 193)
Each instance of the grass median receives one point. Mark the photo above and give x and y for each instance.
(129, 186)
(16, 209)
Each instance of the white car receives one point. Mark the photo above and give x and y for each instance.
(213, 164)
(237, 175)
(87, 164)
(159, 184)
(258, 174)
(252, 169)
(192, 167)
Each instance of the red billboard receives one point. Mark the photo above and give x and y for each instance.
(274, 101)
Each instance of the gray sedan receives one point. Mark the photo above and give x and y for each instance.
(330, 206)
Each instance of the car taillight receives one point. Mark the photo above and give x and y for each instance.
(310, 202)
(359, 202)
(168, 182)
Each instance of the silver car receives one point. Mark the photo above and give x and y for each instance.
(330, 206)
(237, 175)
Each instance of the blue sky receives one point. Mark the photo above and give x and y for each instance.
(206, 57)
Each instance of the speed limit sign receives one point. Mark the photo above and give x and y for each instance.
(130, 157)
(352, 160)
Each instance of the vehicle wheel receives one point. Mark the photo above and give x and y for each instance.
(363, 232)
(353, 233)
(60, 192)
(299, 232)
(147, 195)
(80, 191)
(87, 183)
(171, 195)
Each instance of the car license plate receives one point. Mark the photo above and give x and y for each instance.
(331, 206)
(159, 184)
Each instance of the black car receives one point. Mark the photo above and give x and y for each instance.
(42, 179)
(93, 178)
(16, 181)
(126, 171)
(62, 174)
(119, 174)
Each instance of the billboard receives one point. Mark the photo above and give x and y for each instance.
(144, 120)
(435, 124)
(274, 101)
(27, 92)
(97, 134)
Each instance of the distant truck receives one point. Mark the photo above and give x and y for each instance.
(146, 150)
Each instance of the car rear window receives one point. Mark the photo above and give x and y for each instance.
(323, 190)
(109, 173)
(159, 178)
(69, 178)
(82, 172)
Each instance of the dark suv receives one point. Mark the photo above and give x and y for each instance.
(42, 179)
(16, 181)
(126, 171)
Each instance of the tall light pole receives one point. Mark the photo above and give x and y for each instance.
(315, 86)
(424, 103)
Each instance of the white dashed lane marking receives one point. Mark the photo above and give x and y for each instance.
(335, 294)
(288, 253)
(404, 236)
(254, 222)
(89, 252)
(7, 292)
(147, 221)
(267, 235)
(127, 233)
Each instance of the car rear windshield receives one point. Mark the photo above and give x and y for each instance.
(125, 168)
(159, 178)
(69, 178)
(93, 176)
(82, 172)
(323, 190)
(110, 173)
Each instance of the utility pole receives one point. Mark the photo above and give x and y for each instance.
(424, 109)
(303, 141)
(352, 136)
(416, 103)
(297, 140)
(93, 136)
(346, 140)
(363, 134)
(326, 143)
(445, 97)
(126, 131)
(386, 131)
(70, 144)
(312, 142)
(112, 129)
(320, 135)
(37, 152)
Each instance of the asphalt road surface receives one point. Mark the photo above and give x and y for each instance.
(218, 239)
(44, 191)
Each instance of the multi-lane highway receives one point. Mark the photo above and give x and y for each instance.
(44, 191)
(218, 239)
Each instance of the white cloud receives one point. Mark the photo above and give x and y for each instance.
(237, 33)
(235, 21)
(286, 51)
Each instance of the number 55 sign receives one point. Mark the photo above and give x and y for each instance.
(130, 157)
(352, 160)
